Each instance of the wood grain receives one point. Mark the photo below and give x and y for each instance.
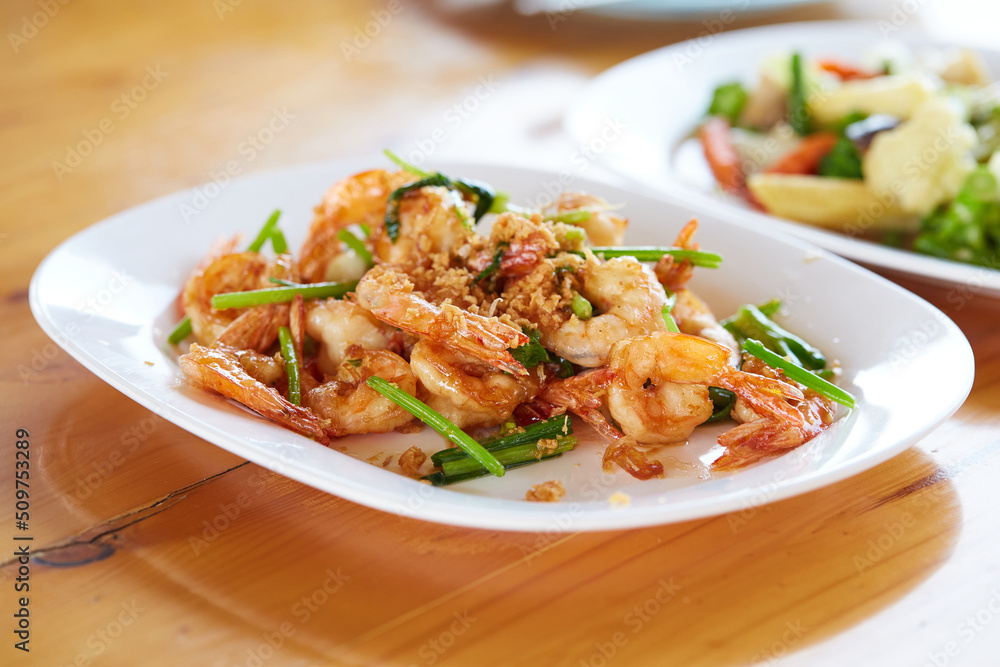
(156, 548)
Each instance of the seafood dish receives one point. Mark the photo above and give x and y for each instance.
(420, 298)
(900, 147)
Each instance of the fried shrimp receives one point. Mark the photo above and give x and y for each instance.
(338, 325)
(219, 370)
(389, 295)
(432, 221)
(629, 301)
(235, 272)
(694, 317)
(350, 405)
(465, 390)
(357, 200)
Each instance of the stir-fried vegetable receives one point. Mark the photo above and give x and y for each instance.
(750, 322)
(799, 374)
(283, 294)
(728, 101)
(291, 365)
(798, 112)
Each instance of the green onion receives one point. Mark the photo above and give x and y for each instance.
(651, 254)
(570, 217)
(266, 232)
(424, 413)
(286, 283)
(357, 245)
(798, 112)
(668, 319)
(799, 374)
(501, 202)
(180, 332)
(291, 365)
(494, 264)
(550, 428)
(511, 456)
(581, 307)
(770, 308)
(481, 191)
(278, 242)
(406, 166)
(723, 401)
(283, 294)
(750, 323)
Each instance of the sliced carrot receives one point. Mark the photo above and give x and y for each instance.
(845, 71)
(717, 142)
(805, 157)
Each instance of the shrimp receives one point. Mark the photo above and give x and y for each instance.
(523, 244)
(350, 405)
(432, 221)
(660, 388)
(694, 317)
(356, 200)
(602, 228)
(339, 324)
(256, 329)
(629, 301)
(389, 295)
(465, 390)
(672, 274)
(235, 272)
(219, 370)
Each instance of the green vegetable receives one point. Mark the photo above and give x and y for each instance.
(798, 113)
(840, 127)
(482, 192)
(750, 323)
(570, 217)
(799, 374)
(404, 165)
(180, 332)
(291, 365)
(283, 294)
(668, 319)
(392, 205)
(581, 307)
(550, 428)
(843, 161)
(728, 101)
(357, 245)
(278, 241)
(723, 401)
(968, 228)
(424, 413)
(708, 260)
(531, 353)
(266, 232)
(511, 457)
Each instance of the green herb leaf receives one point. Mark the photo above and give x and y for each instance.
(728, 101)
(843, 161)
(531, 353)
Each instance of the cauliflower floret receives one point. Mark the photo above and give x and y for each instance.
(924, 161)
(897, 95)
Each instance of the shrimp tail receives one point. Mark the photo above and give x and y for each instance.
(256, 329)
(218, 370)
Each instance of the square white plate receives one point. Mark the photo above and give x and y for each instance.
(106, 295)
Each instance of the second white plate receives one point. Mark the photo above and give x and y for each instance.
(654, 102)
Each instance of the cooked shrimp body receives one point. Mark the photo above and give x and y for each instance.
(356, 200)
(694, 317)
(389, 295)
(235, 272)
(630, 302)
(256, 329)
(523, 242)
(220, 370)
(602, 227)
(660, 389)
(467, 391)
(350, 405)
(337, 325)
(432, 221)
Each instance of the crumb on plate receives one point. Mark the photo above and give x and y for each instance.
(411, 460)
(546, 492)
(619, 499)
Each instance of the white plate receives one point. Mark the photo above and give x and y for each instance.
(106, 296)
(661, 96)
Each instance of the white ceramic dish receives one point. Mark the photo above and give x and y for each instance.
(661, 96)
(106, 296)
(658, 10)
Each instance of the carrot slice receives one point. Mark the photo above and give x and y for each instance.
(845, 71)
(805, 157)
(721, 155)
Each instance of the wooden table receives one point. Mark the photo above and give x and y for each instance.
(153, 547)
